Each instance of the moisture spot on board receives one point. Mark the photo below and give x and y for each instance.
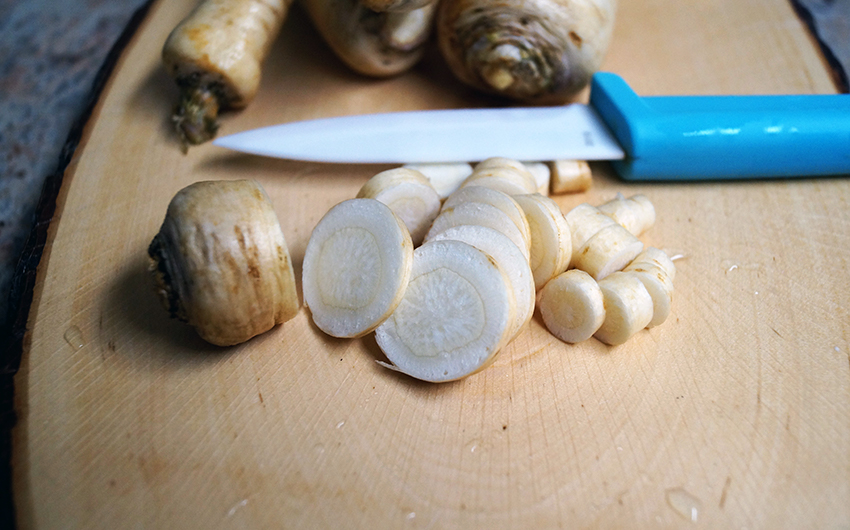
(684, 503)
(74, 337)
(235, 507)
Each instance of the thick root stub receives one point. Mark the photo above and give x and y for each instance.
(196, 116)
(215, 55)
(220, 262)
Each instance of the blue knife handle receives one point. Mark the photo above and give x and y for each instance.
(724, 137)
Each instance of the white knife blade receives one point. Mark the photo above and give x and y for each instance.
(650, 138)
(460, 135)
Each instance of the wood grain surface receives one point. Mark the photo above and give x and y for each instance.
(735, 412)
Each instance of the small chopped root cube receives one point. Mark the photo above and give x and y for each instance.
(628, 308)
(446, 178)
(456, 314)
(585, 221)
(608, 251)
(659, 258)
(356, 267)
(542, 176)
(496, 198)
(476, 213)
(636, 214)
(409, 195)
(570, 176)
(551, 241)
(660, 288)
(572, 306)
(509, 257)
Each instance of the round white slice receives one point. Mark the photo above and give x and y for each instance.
(446, 178)
(509, 257)
(356, 267)
(507, 179)
(475, 213)
(551, 241)
(457, 312)
(496, 198)
(572, 307)
(499, 161)
(542, 175)
(409, 195)
(628, 308)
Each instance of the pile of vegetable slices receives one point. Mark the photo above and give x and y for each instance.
(445, 285)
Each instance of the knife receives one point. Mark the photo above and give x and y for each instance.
(645, 138)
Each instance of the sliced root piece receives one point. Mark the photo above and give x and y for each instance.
(496, 198)
(409, 195)
(659, 286)
(356, 267)
(585, 221)
(551, 242)
(572, 306)
(628, 308)
(542, 175)
(500, 161)
(569, 176)
(446, 178)
(659, 258)
(509, 257)
(506, 175)
(495, 179)
(610, 250)
(457, 312)
(474, 213)
(636, 214)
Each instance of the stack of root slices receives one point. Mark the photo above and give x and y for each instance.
(446, 279)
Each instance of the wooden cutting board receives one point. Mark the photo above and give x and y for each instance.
(735, 412)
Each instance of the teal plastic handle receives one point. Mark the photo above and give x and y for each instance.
(724, 137)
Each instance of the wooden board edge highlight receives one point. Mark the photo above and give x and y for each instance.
(13, 332)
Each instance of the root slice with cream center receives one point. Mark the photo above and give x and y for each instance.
(356, 267)
(456, 314)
